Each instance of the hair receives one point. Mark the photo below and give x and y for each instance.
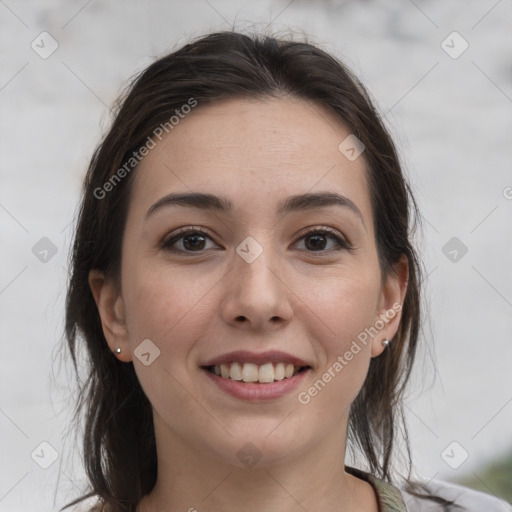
(119, 441)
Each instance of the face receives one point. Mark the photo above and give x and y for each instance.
(269, 269)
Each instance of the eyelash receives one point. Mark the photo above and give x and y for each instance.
(343, 244)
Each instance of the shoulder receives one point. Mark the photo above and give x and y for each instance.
(400, 499)
(464, 499)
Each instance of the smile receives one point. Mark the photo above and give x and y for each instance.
(250, 372)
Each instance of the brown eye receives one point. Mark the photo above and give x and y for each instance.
(317, 240)
(192, 240)
(196, 240)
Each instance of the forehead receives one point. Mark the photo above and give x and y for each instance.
(255, 152)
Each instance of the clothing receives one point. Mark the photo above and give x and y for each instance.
(393, 499)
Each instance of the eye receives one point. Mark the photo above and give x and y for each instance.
(190, 240)
(318, 240)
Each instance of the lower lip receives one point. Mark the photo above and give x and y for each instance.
(252, 391)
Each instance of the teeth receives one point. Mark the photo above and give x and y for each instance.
(235, 372)
(279, 371)
(224, 371)
(266, 373)
(250, 372)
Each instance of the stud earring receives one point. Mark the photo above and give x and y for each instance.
(386, 343)
(118, 350)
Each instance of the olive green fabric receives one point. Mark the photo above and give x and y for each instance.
(389, 497)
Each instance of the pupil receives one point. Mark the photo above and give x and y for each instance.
(316, 245)
(194, 245)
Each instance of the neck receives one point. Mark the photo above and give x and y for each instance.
(191, 480)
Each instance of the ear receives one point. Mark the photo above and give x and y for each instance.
(389, 310)
(111, 309)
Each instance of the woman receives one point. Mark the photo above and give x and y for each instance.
(245, 285)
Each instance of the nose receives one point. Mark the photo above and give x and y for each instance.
(257, 297)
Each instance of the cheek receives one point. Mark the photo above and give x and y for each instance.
(167, 306)
(348, 307)
(172, 311)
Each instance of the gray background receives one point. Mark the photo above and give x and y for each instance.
(451, 118)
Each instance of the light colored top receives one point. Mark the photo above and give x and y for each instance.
(393, 499)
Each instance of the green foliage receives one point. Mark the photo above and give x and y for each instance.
(495, 478)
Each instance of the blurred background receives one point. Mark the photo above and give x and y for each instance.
(441, 74)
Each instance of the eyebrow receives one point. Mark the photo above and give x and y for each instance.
(294, 203)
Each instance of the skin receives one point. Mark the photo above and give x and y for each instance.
(200, 304)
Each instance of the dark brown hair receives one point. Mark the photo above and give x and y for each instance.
(119, 443)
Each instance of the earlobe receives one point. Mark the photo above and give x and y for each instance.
(111, 310)
(390, 306)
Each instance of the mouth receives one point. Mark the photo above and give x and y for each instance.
(256, 373)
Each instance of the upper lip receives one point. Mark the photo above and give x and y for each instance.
(244, 356)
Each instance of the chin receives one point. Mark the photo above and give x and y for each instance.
(261, 448)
